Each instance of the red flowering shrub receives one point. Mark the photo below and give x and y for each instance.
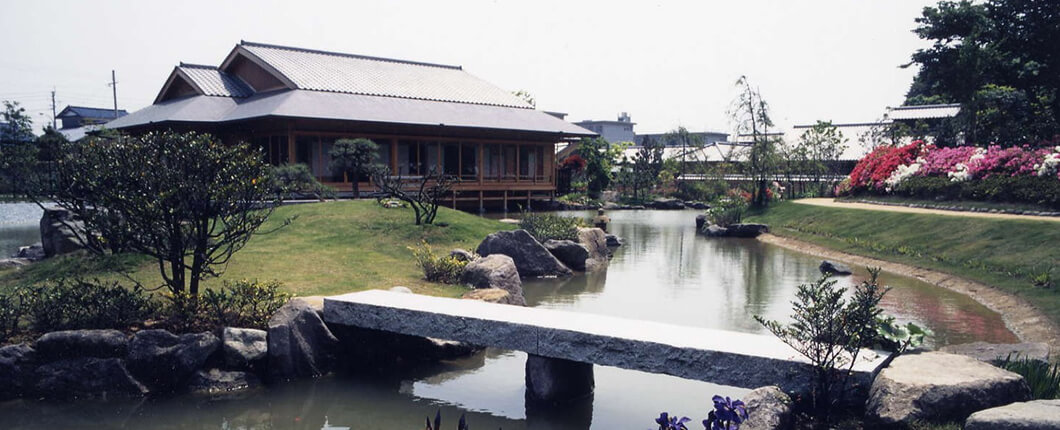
(875, 168)
(574, 162)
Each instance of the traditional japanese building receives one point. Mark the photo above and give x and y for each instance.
(295, 103)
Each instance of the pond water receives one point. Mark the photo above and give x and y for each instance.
(19, 226)
(665, 272)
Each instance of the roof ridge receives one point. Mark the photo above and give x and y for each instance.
(938, 105)
(200, 66)
(89, 107)
(343, 54)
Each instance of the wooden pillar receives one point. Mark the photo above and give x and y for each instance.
(481, 170)
(481, 208)
(528, 193)
(505, 201)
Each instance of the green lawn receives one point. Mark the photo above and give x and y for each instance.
(330, 248)
(1007, 254)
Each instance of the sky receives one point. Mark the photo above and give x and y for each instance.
(666, 63)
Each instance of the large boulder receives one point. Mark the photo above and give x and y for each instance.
(244, 348)
(32, 252)
(58, 345)
(461, 254)
(495, 271)
(715, 230)
(300, 344)
(16, 370)
(568, 252)
(1034, 415)
(164, 361)
(595, 241)
(989, 352)
(747, 230)
(216, 381)
(935, 386)
(834, 268)
(88, 377)
(493, 295)
(531, 258)
(59, 232)
(768, 408)
(701, 220)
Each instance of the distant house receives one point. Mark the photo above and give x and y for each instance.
(79, 116)
(293, 103)
(620, 130)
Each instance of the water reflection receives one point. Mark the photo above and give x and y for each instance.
(19, 226)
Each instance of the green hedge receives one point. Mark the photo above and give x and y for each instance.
(1041, 191)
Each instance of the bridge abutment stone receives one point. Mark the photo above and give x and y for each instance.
(555, 380)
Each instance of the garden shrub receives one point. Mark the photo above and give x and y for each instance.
(701, 191)
(445, 269)
(297, 179)
(81, 304)
(544, 226)
(728, 210)
(244, 303)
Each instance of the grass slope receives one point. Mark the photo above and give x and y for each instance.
(329, 248)
(1007, 254)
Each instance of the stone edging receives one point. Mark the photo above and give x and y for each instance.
(943, 207)
(1026, 321)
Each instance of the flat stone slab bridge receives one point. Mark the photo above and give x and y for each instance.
(562, 346)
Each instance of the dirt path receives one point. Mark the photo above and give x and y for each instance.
(1023, 319)
(869, 206)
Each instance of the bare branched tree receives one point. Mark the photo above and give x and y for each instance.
(423, 193)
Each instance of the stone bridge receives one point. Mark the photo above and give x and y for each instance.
(562, 346)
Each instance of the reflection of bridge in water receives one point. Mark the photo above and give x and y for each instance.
(563, 346)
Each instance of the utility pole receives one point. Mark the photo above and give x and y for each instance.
(53, 108)
(114, 87)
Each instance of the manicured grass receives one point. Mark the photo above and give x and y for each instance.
(1004, 253)
(329, 248)
(965, 204)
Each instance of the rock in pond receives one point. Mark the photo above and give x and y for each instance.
(595, 241)
(666, 204)
(87, 378)
(57, 231)
(1033, 415)
(164, 361)
(300, 344)
(530, 257)
(935, 386)
(216, 381)
(768, 408)
(34, 252)
(16, 370)
(492, 295)
(989, 352)
(58, 345)
(747, 230)
(244, 348)
(613, 241)
(495, 271)
(834, 268)
(715, 230)
(701, 220)
(569, 252)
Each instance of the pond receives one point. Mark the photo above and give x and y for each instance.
(665, 272)
(19, 226)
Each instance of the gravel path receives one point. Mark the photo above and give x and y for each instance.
(868, 206)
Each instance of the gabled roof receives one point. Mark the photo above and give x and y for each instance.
(308, 69)
(924, 112)
(214, 82)
(89, 112)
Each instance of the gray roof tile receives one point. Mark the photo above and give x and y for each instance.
(214, 82)
(356, 74)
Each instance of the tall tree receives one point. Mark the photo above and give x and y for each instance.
(999, 59)
(750, 116)
(355, 158)
(822, 145)
(600, 156)
(645, 166)
(686, 140)
(18, 154)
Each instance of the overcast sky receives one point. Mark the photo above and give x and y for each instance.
(668, 64)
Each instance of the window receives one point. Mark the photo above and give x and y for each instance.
(469, 161)
(451, 159)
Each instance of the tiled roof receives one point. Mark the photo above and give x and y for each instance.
(214, 82)
(924, 112)
(351, 107)
(90, 112)
(355, 74)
